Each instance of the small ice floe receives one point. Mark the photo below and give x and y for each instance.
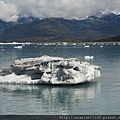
(46, 44)
(49, 70)
(88, 57)
(18, 47)
(114, 43)
(65, 43)
(94, 43)
(101, 46)
(86, 46)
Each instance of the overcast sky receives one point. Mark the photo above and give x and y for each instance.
(10, 10)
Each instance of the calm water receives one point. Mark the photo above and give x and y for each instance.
(101, 97)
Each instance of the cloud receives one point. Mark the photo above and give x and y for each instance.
(8, 12)
(69, 9)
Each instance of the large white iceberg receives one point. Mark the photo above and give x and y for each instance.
(49, 70)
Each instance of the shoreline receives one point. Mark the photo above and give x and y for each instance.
(58, 43)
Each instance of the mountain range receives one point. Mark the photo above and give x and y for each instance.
(92, 28)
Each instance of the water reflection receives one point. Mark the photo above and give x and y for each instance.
(43, 99)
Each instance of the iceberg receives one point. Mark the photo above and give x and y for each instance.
(49, 70)
(86, 46)
(18, 47)
(88, 57)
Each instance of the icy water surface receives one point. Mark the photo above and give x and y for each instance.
(101, 97)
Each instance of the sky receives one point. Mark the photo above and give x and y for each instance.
(11, 10)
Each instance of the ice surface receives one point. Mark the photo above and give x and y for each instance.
(49, 70)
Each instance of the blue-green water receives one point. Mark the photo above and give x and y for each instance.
(101, 97)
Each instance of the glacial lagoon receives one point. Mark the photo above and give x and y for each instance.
(99, 97)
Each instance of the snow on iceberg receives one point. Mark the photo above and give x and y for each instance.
(49, 70)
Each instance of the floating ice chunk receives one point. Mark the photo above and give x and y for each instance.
(101, 46)
(89, 57)
(86, 46)
(18, 47)
(49, 70)
(64, 43)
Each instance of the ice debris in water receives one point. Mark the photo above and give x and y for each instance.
(88, 57)
(49, 70)
(18, 47)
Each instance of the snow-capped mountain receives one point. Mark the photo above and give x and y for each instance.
(95, 27)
